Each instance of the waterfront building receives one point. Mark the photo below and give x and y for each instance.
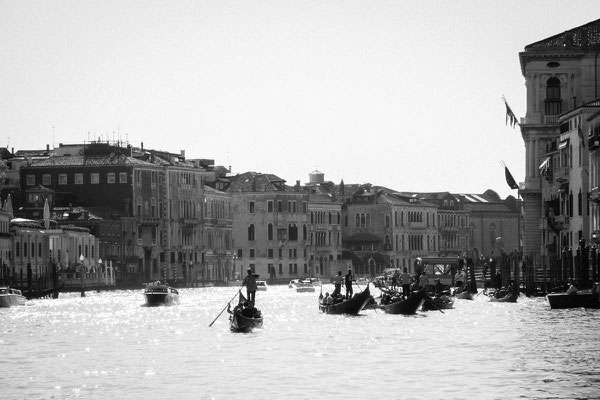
(105, 175)
(5, 243)
(324, 229)
(387, 229)
(218, 255)
(562, 87)
(270, 227)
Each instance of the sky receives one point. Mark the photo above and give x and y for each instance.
(403, 94)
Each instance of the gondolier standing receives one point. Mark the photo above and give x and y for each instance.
(405, 279)
(348, 283)
(250, 283)
(337, 281)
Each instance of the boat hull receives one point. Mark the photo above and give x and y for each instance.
(160, 295)
(466, 295)
(509, 297)
(11, 297)
(438, 304)
(406, 307)
(239, 323)
(575, 300)
(351, 306)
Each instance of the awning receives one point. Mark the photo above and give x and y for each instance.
(545, 165)
(564, 144)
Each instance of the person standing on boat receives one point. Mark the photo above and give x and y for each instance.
(337, 281)
(423, 281)
(348, 282)
(250, 283)
(405, 279)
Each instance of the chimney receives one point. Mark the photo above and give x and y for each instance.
(182, 154)
(142, 145)
(47, 147)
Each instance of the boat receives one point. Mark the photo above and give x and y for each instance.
(438, 303)
(351, 306)
(407, 306)
(160, 294)
(302, 285)
(11, 297)
(238, 322)
(465, 295)
(504, 296)
(587, 298)
(261, 285)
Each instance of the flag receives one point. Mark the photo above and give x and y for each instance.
(510, 116)
(509, 179)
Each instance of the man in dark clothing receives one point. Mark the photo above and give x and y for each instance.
(348, 282)
(337, 281)
(250, 283)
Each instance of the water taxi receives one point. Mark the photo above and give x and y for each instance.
(11, 297)
(158, 294)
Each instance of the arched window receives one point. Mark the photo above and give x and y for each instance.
(553, 102)
(18, 249)
(251, 232)
(357, 222)
(387, 220)
(368, 222)
(312, 217)
(270, 232)
(304, 232)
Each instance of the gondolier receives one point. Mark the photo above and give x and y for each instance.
(250, 283)
(348, 283)
(337, 281)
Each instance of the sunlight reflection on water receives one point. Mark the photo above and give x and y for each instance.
(106, 345)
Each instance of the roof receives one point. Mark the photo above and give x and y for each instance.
(256, 182)
(75, 161)
(581, 36)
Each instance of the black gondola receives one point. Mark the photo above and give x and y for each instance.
(408, 306)
(351, 306)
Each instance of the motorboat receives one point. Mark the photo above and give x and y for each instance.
(160, 294)
(302, 285)
(587, 298)
(261, 285)
(11, 297)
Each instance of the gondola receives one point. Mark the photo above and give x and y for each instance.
(351, 306)
(504, 296)
(466, 295)
(408, 306)
(438, 303)
(239, 323)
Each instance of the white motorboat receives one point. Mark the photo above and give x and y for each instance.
(158, 294)
(261, 285)
(11, 297)
(302, 285)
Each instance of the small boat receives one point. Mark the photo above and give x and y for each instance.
(11, 297)
(438, 303)
(465, 295)
(159, 294)
(504, 296)
(240, 323)
(261, 285)
(587, 298)
(302, 286)
(407, 306)
(351, 306)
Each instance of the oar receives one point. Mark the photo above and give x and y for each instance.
(435, 305)
(224, 308)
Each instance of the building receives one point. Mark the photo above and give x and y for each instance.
(561, 78)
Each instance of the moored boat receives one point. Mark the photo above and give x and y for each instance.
(261, 285)
(588, 298)
(11, 297)
(407, 306)
(158, 294)
(351, 306)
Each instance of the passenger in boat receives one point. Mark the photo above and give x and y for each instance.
(250, 283)
(250, 311)
(438, 287)
(328, 300)
(348, 283)
(405, 279)
(572, 289)
(337, 281)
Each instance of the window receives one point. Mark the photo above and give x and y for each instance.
(270, 232)
(553, 102)
(95, 178)
(30, 180)
(251, 253)
(251, 207)
(251, 232)
(62, 179)
(270, 253)
(279, 206)
(46, 180)
(79, 179)
(122, 177)
(270, 206)
(110, 177)
(240, 253)
(304, 207)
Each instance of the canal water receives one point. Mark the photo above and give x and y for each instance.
(108, 346)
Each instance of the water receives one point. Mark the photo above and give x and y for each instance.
(106, 345)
